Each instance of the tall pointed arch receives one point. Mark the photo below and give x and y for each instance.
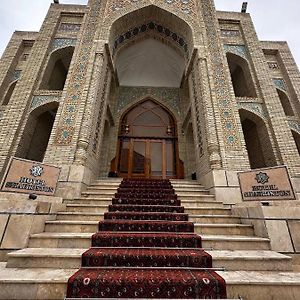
(147, 142)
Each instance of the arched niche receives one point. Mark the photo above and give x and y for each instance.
(37, 131)
(285, 102)
(9, 93)
(138, 22)
(148, 52)
(296, 137)
(57, 69)
(241, 78)
(150, 63)
(258, 143)
(147, 142)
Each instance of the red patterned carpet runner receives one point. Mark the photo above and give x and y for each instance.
(146, 248)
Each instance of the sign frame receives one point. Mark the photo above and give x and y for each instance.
(23, 191)
(268, 198)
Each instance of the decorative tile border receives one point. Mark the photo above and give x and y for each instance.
(236, 49)
(223, 97)
(198, 109)
(256, 108)
(70, 27)
(186, 6)
(273, 65)
(230, 33)
(104, 91)
(42, 99)
(131, 94)
(154, 27)
(16, 75)
(294, 125)
(66, 124)
(62, 43)
(279, 83)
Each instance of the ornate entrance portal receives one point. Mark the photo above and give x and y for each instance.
(148, 143)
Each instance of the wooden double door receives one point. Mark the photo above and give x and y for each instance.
(148, 158)
(147, 143)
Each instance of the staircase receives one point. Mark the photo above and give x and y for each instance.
(252, 271)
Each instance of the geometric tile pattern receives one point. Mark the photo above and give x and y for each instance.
(42, 99)
(66, 126)
(229, 33)
(196, 100)
(294, 125)
(69, 27)
(164, 95)
(61, 43)
(188, 7)
(256, 108)
(151, 27)
(224, 101)
(16, 75)
(239, 50)
(279, 83)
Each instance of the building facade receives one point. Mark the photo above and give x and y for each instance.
(160, 89)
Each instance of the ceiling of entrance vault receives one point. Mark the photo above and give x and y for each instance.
(150, 63)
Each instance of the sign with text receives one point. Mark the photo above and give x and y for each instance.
(266, 184)
(31, 177)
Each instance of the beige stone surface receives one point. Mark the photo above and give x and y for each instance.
(20, 196)
(17, 231)
(279, 236)
(296, 184)
(281, 212)
(227, 195)
(3, 222)
(76, 173)
(18, 206)
(69, 190)
(232, 178)
(294, 227)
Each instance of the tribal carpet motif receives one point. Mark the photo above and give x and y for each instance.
(146, 248)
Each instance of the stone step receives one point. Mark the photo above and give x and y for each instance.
(214, 219)
(194, 196)
(85, 216)
(42, 283)
(230, 260)
(83, 240)
(200, 210)
(184, 181)
(201, 203)
(192, 193)
(102, 187)
(251, 260)
(92, 226)
(93, 193)
(108, 200)
(184, 186)
(108, 181)
(210, 210)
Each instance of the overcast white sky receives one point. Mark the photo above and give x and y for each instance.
(273, 19)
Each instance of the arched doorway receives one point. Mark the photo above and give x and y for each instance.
(147, 143)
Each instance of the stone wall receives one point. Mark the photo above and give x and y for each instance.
(206, 105)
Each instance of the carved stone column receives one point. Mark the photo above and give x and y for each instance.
(89, 110)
